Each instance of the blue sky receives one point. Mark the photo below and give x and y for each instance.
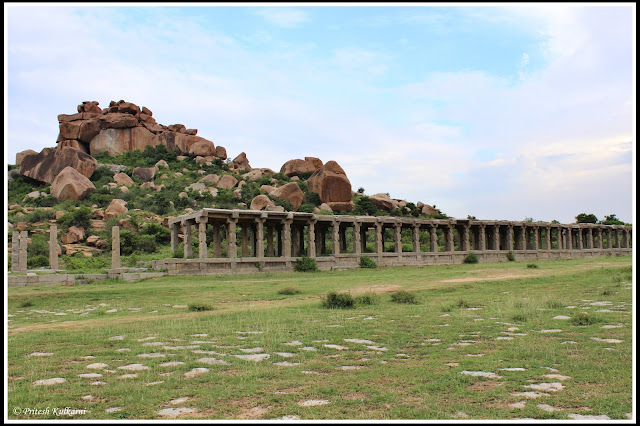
(500, 112)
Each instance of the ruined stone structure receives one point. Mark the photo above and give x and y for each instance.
(338, 242)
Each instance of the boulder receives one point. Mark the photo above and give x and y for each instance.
(256, 174)
(212, 178)
(128, 108)
(274, 209)
(92, 240)
(325, 207)
(69, 184)
(260, 202)
(340, 206)
(162, 163)
(200, 160)
(145, 174)
(148, 185)
(291, 192)
(75, 144)
(146, 111)
(122, 179)
(330, 182)
(221, 152)
(178, 128)
(22, 154)
(267, 188)
(90, 106)
(240, 162)
(196, 186)
(191, 132)
(46, 165)
(117, 121)
(297, 167)
(429, 210)
(203, 148)
(317, 163)
(117, 141)
(383, 201)
(73, 235)
(116, 208)
(227, 182)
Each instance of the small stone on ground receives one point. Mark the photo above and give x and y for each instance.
(313, 402)
(48, 382)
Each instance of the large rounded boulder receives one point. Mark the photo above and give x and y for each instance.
(71, 185)
(330, 182)
(48, 164)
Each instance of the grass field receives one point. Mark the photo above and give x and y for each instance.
(512, 340)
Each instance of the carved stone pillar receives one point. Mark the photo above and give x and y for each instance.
(22, 251)
(449, 245)
(379, 244)
(357, 237)
(53, 247)
(398, 238)
(465, 245)
(496, 237)
(433, 236)
(15, 251)
(115, 247)
(188, 248)
(336, 238)
(217, 246)
(548, 237)
(286, 237)
(232, 248)
(536, 238)
(202, 237)
(259, 252)
(311, 245)
(416, 238)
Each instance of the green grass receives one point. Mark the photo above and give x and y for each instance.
(407, 377)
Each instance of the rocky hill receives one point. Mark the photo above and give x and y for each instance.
(117, 165)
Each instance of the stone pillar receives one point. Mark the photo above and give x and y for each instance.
(15, 252)
(398, 238)
(536, 238)
(416, 238)
(357, 237)
(311, 245)
(609, 238)
(465, 246)
(343, 238)
(188, 248)
(232, 248)
(510, 237)
(336, 238)
(433, 234)
(270, 251)
(496, 237)
(522, 238)
(590, 238)
(286, 237)
(548, 237)
(217, 247)
(115, 247)
(482, 237)
(569, 245)
(244, 240)
(625, 238)
(580, 241)
(53, 247)
(259, 252)
(202, 237)
(379, 245)
(22, 251)
(449, 245)
(600, 235)
(175, 240)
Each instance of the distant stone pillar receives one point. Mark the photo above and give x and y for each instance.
(536, 238)
(343, 238)
(53, 247)
(465, 240)
(22, 249)
(115, 247)
(336, 238)
(175, 229)
(590, 238)
(363, 238)
(188, 248)
(548, 237)
(449, 245)
(286, 231)
(580, 241)
(521, 238)
(609, 238)
(433, 234)
(244, 240)
(570, 242)
(379, 244)
(259, 238)
(398, 238)
(482, 237)
(509, 237)
(202, 237)
(357, 237)
(311, 235)
(599, 236)
(217, 246)
(270, 251)
(232, 248)
(15, 251)
(416, 238)
(496, 237)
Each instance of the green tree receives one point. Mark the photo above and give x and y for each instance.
(586, 218)
(611, 220)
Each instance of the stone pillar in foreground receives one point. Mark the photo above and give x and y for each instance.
(202, 237)
(548, 237)
(536, 238)
(53, 247)
(115, 247)
(482, 237)
(449, 244)
(398, 238)
(416, 238)
(22, 251)
(232, 248)
(379, 244)
(465, 240)
(270, 250)
(336, 238)
(188, 248)
(217, 246)
(15, 251)
(259, 252)
(433, 234)
(286, 237)
(357, 238)
(175, 228)
(311, 235)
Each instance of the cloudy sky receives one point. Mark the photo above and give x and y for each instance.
(496, 112)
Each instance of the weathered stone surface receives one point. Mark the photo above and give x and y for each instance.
(330, 182)
(152, 126)
(117, 121)
(383, 201)
(191, 132)
(256, 174)
(117, 141)
(75, 144)
(212, 178)
(90, 106)
(128, 108)
(162, 163)
(227, 182)
(260, 202)
(267, 188)
(73, 235)
(200, 160)
(317, 163)
(116, 208)
(22, 154)
(340, 206)
(297, 167)
(92, 240)
(428, 210)
(274, 208)
(146, 111)
(122, 179)
(178, 128)
(290, 192)
(46, 165)
(71, 185)
(325, 207)
(221, 152)
(145, 174)
(203, 148)
(240, 162)
(88, 130)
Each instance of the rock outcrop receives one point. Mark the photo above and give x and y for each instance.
(330, 182)
(297, 167)
(69, 184)
(240, 162)
(291, 192)
(261, 202)
(116, 208)
(22, 154)
(48, 164)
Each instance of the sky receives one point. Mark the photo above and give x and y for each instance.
(502, 112)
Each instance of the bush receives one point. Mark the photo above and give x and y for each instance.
(367, 262)
(367, 299)
(306, 264)
(532, 265)
(289, 290)
(335, 300)
(584, 318)
(38, 261)
(162, 234)
(199, 307)
(510, 256)
(80, 217)
(471, 258)
(131, 242)
(404, 297)
(364, 206)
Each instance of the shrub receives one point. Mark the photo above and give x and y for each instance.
(162, 234)
(306, 264)
(199, 307)
(289, 290)
(38, 261)
(463, 304)
(131, 242)
(335, 300)
(364, 206)
(367, 262)
(80, 217)
(510, 256)
(584, 318)
(519, 318)
(367, 299)
(404, 297)
(532, 265)
(471, 258)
